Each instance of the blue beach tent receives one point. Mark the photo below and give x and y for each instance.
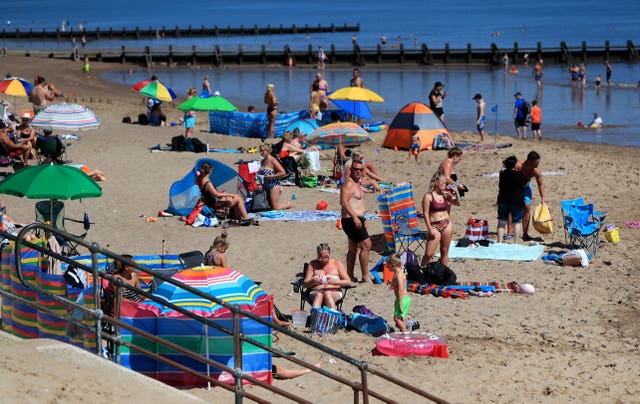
(184, 193)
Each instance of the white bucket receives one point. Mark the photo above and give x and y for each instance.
(299, 318)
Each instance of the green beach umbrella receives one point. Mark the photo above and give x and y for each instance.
(215, 103)
(50, 181)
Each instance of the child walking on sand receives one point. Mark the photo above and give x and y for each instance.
(215, 256)
(414, 148)
(399, 285)
(86, 67)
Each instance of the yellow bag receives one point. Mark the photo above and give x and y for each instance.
(542, 220)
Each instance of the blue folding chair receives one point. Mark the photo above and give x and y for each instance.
(405, 236)
(582, 225)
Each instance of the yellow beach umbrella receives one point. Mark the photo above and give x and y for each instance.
(355, 94)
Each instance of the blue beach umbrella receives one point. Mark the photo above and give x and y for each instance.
(356, 108)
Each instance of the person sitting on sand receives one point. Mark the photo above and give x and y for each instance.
(370, 175)
(272, 171)
(220, 200)
(326, 277)
(215, 256)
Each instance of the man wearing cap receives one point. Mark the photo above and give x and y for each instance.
(41, 94)
(481, 119)
(436, 100)
(520, 116)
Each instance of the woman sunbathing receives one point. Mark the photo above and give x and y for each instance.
(325, 276)
(219, 200)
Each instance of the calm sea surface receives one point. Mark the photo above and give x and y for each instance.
(408, 22)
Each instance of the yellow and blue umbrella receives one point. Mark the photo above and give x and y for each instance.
(340, 133)
(154, 89)
(224, 283)
(16, 86)
(65, 116)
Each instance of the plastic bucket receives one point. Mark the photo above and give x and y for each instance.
(299, 318)
(613, 235)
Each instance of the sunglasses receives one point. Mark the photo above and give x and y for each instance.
(357, 169)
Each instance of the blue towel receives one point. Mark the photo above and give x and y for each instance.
(498, 251)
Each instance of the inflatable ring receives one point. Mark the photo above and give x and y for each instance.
(412, 343)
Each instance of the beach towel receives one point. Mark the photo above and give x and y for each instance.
(497, 251)
(498, 287)
(436, 290)
(478, 147)
(312, 216)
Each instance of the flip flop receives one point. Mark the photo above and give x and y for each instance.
(632, 225)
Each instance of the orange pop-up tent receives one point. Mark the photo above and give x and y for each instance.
(416, 113)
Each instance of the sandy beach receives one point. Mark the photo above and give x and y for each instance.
(576, 339)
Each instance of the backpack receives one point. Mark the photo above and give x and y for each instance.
(439, 274)
(195, 145)
(370, 325)
(143, 119)
(178, 143)
(526, 108)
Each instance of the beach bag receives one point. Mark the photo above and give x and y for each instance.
(368, 324)
(143, 119)
(309, 182)
(311, 161)
(195, 145)
(542, 221)
(259, 201)
(326, 321)
(414, 273)
(477, 229)
(526, 108)
(178, 143)
(439, 274)
(442, 141)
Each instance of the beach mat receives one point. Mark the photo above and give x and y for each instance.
(497, 251)
(478, 147)
(308, 216)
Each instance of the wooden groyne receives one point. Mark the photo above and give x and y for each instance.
(356, 56)
(173, 32)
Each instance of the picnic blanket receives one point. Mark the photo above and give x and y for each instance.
(436, 290)
(497, 251)
(309, 216)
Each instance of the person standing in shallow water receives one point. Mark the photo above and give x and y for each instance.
(481, 118)
(272, 108)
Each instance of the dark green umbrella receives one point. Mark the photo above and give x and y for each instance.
(215, 103)
(50, 181)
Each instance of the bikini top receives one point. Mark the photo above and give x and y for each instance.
(435, 206)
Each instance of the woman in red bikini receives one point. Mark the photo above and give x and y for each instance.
(436, 204)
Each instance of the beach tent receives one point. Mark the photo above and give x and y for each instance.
(184, 193)
(416, 113)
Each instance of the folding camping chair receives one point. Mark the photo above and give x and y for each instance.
(52, 212)
(305, 293)
(191, 259)
(405, 236)
(568, 204)
(50, 149)
(582, 225)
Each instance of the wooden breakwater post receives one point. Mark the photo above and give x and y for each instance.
(426, 56)
(495, 54)
(516, 54)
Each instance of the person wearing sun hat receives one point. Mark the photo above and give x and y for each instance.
(436, 100)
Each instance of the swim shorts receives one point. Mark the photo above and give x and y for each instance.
(516, 213)
(356, 235)
(483, 121)
(528, 194)
(520, 122)
(535, 126)
(401, 312)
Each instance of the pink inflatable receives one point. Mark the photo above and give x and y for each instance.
(412, 343)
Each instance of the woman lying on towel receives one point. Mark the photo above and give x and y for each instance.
(219, 200)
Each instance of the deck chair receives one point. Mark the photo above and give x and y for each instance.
(405, 236)
(582, 224)
(568, 204)
(191, 259)
(52, 212)
(50, 149)
(305, 293)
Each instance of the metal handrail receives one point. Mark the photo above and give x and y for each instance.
(95, 250)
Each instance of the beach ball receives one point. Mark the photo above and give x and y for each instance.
(527, 289)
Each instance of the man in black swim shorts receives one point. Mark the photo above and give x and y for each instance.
(353, 222)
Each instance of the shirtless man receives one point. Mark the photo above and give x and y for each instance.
(41, 94)
(530, 169)
(356, 81)
(481, 118)
(353, 222)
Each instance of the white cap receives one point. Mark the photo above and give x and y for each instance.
(26, 115)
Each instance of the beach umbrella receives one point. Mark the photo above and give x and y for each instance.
(305, 126)
(16, 86)
(340, 133)
(215, 103)
(65, 116)
(355, 94)
(50, 181)
(154, 89)
(356, 108)
(226, 284)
